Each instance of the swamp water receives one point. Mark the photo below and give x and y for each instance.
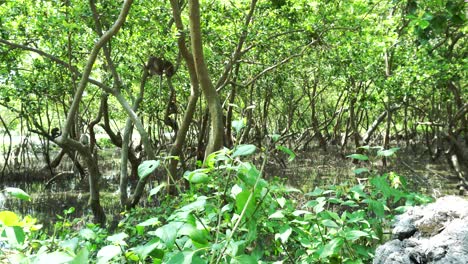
(307, 171)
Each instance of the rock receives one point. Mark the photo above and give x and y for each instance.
(434, 234)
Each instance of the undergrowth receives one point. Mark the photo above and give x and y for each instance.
(229, 214)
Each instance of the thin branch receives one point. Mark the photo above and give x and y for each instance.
(89, 66)
(238, 52)
(55, 59)
(284, 61)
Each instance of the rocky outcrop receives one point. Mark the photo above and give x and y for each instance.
(436, 233)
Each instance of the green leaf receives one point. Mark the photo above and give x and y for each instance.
(197, 176)
(117, 238)
(301, 212)
(277, 215)
(70, 245)
(168, 233)
(241, 200)
(156, 190)
(200, 236)
(198, 205)
(150, 222)
(54, 257)
(184, 257)
(70, 210)
(17, 193)
(81, 257)
(107, 253)
(284, 234)
(150, 249)
(317, 191)
(238, 125)
(244, 259)
(388, 152)
(147, 167)
(88, 234)
(244, 150)
(423, 24)
(358, 157)
(281, 201)
(320, 205)
(360, 170)
(332, 248)
(330, 223)
(376, 207)
(248, 173)
(8, 218)
(354, 235)
(14, 234)
(286, 150)
(275, 137)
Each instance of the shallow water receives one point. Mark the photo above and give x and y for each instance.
(307, 171)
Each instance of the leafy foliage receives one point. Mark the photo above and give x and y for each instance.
(231, 215)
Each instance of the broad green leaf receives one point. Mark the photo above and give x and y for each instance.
(197, 177)
(56, 257)
(275, 137)
(168, 233)
(284, 234)
(301, 212)
(244, 150)
(147, 167)
(241, 201)
(423, 23)
(150, 222)
(317, 191)
(68, 211)
(332, 248)
(354, 235)
(198, 205)
(107, 253)
(360, 170)
(184, 257)
(81, 257)
(248, 173)
(387, 152)
(150, 249)
(156, 190)
(376, 207)
(277, 215)
(320, 205)
(117, 238)
(281, 201)
(244, 259)
(88, 234)
(8, 218)
(17, 193)
(210, 161)
(14, 234)
(238, 125)
(200, 236)
(286, 150)
(358, 157)
(70, 245)
(382, 185)
(330, 223)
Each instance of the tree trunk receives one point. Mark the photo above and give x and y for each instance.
(214, 105)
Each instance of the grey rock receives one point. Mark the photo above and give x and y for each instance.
(434, 234)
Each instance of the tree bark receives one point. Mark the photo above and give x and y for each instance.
(216, 139)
